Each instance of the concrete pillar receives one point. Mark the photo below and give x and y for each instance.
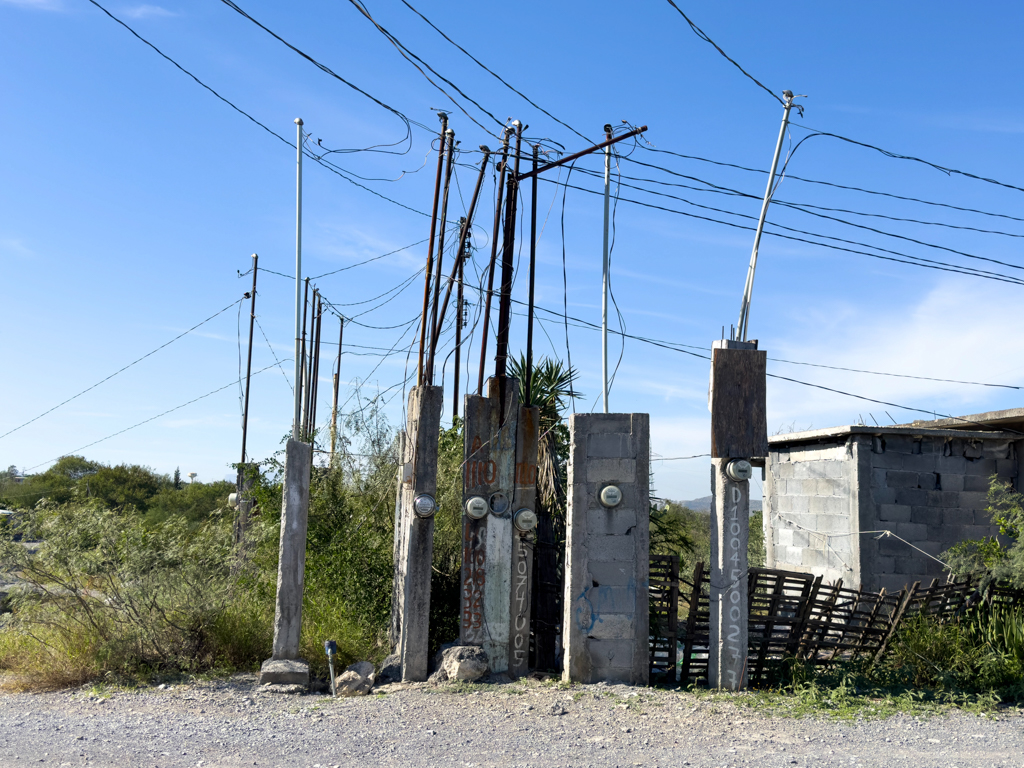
(291, 568)
(489, 473)
(730, 531)
(398, 578)
(417, 544)
(525, 509)
(606, 622)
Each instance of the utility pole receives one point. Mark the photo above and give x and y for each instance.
(298, 274)
(430, 246)
(458, 325)
(604, 273)
(428, 375)
(533, 269)
(334, 402)
(748, 288)
(284, 665)
(502, 165)
(242, 484)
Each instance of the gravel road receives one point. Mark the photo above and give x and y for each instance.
(529, 723)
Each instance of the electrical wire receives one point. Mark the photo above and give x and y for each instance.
(703, 36)
(271, 348)
(146, 421)
(492, 73)
(406, 54)
(326, 164)
(121, 370)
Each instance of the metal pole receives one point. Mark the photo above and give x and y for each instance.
(458, 332)
(428, 374)
(334, 405)
(494, 255)
(248, 365)
(533, 269)
(304, 380)
(430, 248)
(316, 367)
(298, 278)
(465, 228)
(748, 288)
(604, 273)
(507, 265)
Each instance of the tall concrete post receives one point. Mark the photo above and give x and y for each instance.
(489, 491)
(606, 621)
(524, 536)
(285, 666)
(730, 530)
(739, 432)
(417, 529)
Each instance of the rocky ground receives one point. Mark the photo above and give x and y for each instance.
(528, 723)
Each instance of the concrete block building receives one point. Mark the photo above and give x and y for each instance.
(874, 505)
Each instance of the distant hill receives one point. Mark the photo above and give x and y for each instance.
(703, 504)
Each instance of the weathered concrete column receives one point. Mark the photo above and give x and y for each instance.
(284, 666)
(524, 535)
(489, 474)
(398, 579)
(739, 432)
(417, 545)
(730, 531)
(606, 620)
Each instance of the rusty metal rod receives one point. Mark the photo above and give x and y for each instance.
(428, 376)
(430, 248)
(302, 383)
(464, 231)
(533, 270)
(248, 365)
(577, 155)
(494, 255)
(337, 383)
(458, 337)
(507, 266)
(316, 365)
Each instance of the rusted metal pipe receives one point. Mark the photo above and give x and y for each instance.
(464, 230)
(430, 248)
(577, 155)
(494, 255)
(533, 269)
(507, 266)
(428, 374)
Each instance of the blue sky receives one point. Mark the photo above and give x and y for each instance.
(132, 197)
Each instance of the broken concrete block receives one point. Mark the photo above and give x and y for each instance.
(357, 680)
(284, 672)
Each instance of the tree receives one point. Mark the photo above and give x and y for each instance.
(989, 558)
(125, 484)
(177, 478)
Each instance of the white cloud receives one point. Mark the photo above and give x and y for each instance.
(14, 247)
(148, 12)
(39, 5)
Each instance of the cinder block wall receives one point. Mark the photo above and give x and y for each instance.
(605, 622)
(933, 493)
(823, 503)
(807, 494)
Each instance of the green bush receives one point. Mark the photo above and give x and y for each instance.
(103, 592)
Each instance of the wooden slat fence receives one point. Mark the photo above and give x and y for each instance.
(793, 615)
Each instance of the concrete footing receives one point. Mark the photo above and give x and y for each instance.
(284, 672)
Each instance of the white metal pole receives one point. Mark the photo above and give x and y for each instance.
(748, 288)
(298, 279)
(604, 273)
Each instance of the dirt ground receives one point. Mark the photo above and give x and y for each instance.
(528, 723)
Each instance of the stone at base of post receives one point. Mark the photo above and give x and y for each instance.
(284, 672)
(730, 530)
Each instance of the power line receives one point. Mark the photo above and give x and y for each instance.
(703, 36)
(146, 421)
(833, 184)
(494, 74)
(121, 370)
(916, 261)
(325, 163)
(406, 54)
